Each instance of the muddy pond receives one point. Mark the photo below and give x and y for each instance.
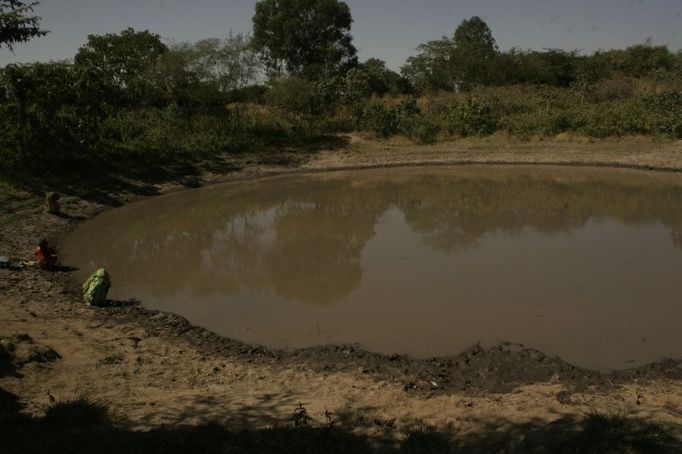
(581, 263)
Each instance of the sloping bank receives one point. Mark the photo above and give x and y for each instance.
(47, 303)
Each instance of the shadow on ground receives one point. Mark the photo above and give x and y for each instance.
(123, 173)
(83, 425)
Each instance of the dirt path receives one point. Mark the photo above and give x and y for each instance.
(156, 369)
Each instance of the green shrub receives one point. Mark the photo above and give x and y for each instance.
(537, 123)
(613, 90)
(473, 117)
(380, 119)
(58, 117)
(356, 86)
(291, 94)
(422, 130)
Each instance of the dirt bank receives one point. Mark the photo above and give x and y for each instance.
(156, 368)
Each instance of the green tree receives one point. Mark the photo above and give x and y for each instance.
(640, 60)
(209, 74)
(475, 50)
(434, 67)
(17, 24)
(381, 79)
(304, 37)
(554, 67)
(177, 81)
(230, 64)
(122, 62)
(454, 63)
(45, 123)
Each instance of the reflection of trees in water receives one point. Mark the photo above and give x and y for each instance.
(454, 213)
(676, 234)
(303, 238)
(315, 257)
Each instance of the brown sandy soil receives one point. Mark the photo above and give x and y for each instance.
(642, 153)
(155, 369)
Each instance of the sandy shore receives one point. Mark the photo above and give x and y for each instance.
(156, 369)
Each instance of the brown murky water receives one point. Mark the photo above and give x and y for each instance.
(581, 263)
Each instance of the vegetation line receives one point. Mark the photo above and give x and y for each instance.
(128, 102)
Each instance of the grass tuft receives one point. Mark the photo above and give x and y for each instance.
(617, 433)
(423, 438)
(80, 410)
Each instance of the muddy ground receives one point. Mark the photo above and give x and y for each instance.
(155, 369)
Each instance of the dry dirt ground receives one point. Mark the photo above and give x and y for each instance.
(155, 369)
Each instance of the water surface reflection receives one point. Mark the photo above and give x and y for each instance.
(583, 263)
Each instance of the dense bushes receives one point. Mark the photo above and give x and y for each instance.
(526, 112)
(379, 118)
(403, 118)
(473, 117)
(165, 105)
(471, 57)
(51, 118)
(43, 121)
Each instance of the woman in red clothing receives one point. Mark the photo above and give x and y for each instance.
(45, 255)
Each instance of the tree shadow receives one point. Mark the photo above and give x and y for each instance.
(7, 366)
(92, 185)
(104, 182)
(139, 174)
(593, 433)
(83, 425)
(291, 149)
